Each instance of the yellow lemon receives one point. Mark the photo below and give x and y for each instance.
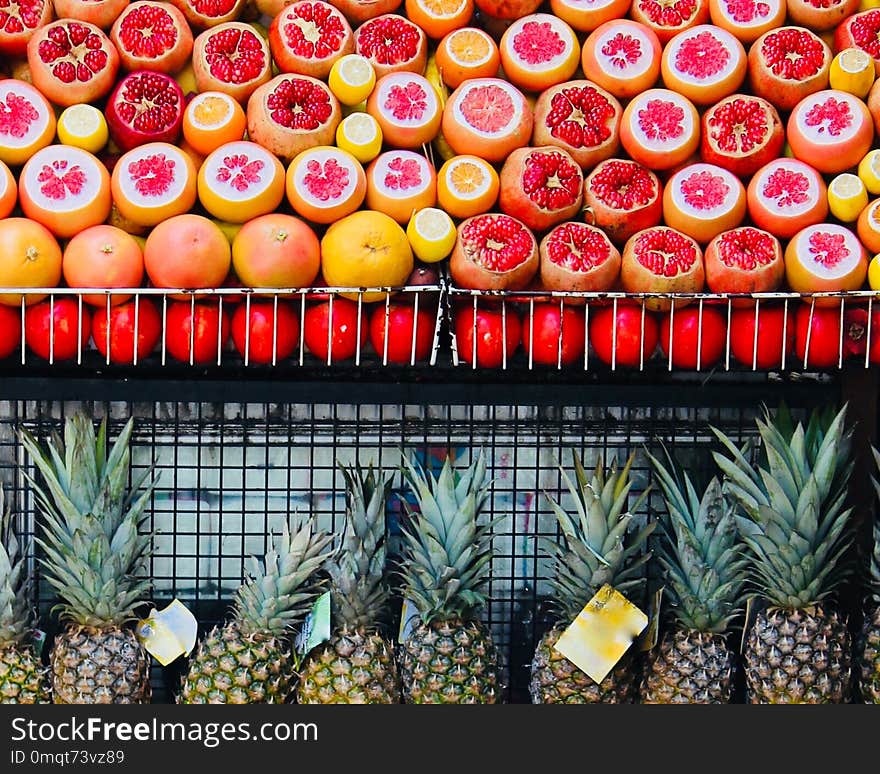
(83, 126)
(431, 234)
(360, 135)
(869, 171)
(852, 70)
(352, 79)
(847, 197)
(874, 273)
(867, 5)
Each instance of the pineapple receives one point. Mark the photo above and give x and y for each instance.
(449, 657)
(704, 574)
(249, 660)
(791, 516)
(22, 676)
(868, 650)
(356, 666)
(595, 553)
(93, 551)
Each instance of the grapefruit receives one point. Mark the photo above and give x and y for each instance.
(8, 191)
(103, 257)
(276, 251)
(30, 257)
(785, 196)
(704, 63)
(747, 20)
(587, 15)
(325, 184)
(660, 129)
(27, 121)
(702, 200)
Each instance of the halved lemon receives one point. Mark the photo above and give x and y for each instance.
(847, 197)
(874, 273)
(431, 234)
(360, 135)
(352, 79)
(852, 70)
(869, 171)
(83, 126)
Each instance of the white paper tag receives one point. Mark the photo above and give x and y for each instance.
(316, 627)
(169, 633)
(409, 617)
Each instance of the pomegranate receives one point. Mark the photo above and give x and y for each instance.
(817, 336)
(203, 14)
(118, 338)
(662, 260)
(494, 252)
(57, 329)
(308, 36)
(693, 337)
(265, 331)
(702, 200)
(18, 21)
(402, 344)
(231, 58)
(744, 260)
(580, 118)
(785, 196)
(861, 30)
(392, 43)
(101, 13)
(145, 107)
(660, 129)
(623, 334)
(741, 134)
(623, 197)
(72, 61)
(855, 330)
(787, 64)
(825, 258)
(669, 17)
(559, 335)
(487, 337)
(331, 328)
(150, 35)
(578, 257)
(761, 335)
(704, 63)
(541, 186)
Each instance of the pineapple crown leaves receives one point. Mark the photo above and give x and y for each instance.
(705, 567)
(16, 616)
(595, 549)
(874, 579)
(281, 588)
(359, 591)
(91, 540)
(790, 508)
(446, 554)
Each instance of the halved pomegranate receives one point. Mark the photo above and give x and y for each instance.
(308, 36)
(861, 30)
(400, 182)
(820, 15)
(203, 14)
(392, 43)
(578, 257)
(150, 35)
(744, 260)
(702, 200)
(623, 197)
(747, 19)
(787, 64)
(494, 252)
(291, 113)
(19, 19)
(660, 129)
(623, 57)
(407, 109)
(27, 121)
(101, 13)
(72, 61)
(145, 107)
(785, 196)
(825, 258)
(741, 133)
(541, 186)
(662, 260)
(231, 58)
(580, 118)
(705, 63)
(356, 11)
(669, 17)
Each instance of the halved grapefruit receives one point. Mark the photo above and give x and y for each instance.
(786, 196)
(702, 200)
(660, 129)
(325, 184)
(27, 121)
(407, 109)
(825, 258)
(704, 63)
(399, 183)
(623, 57)
(539, 51)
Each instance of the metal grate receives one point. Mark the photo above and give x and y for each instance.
(230, 472)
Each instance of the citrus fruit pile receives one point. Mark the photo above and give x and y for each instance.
(636, 146)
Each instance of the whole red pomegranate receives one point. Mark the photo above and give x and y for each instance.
(487, 338)
(559, 335)
(623, 197)
(695, 337)
(141, 319)
(401, 336)
(818, 342)
(265, 332)
(623, 336)
(494, 252)
(760, 335)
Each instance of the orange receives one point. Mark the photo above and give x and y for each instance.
(29, 121)
(399, 183)
(868, 227)
(439, 17)
(467, 186)
(66, 189)
(467, 53)
(241, 180)
(367, 249)
(103, 257)
(538, 51)
(8, 191)
(152, 183)
(30, 257)
(212, 119)
(325, 184)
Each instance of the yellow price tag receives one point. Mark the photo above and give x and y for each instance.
(602, 632)
(168, 633)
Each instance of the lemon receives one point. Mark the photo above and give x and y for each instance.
(874, 273)
(360, 135)
(847, 197)
(867, 5)
(869, 171)
(431, 234)
(352, 79)
(852, 70)
(83, 126)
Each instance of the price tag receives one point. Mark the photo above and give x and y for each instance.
(169, 633)
(316, 627)
(38, 638)
(602, 632)
(409, 617)
(648, 640)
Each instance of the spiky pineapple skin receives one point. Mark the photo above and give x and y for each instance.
(23, 678)
(868, 654)
(556, 680)
(99, 666)
(354, 666)
(689, 667)
(231, 667)
(798, 657)
(450, 662)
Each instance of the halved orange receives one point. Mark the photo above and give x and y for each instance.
(212, 119)
(467, 186)
(467, 53)
(439, 17)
